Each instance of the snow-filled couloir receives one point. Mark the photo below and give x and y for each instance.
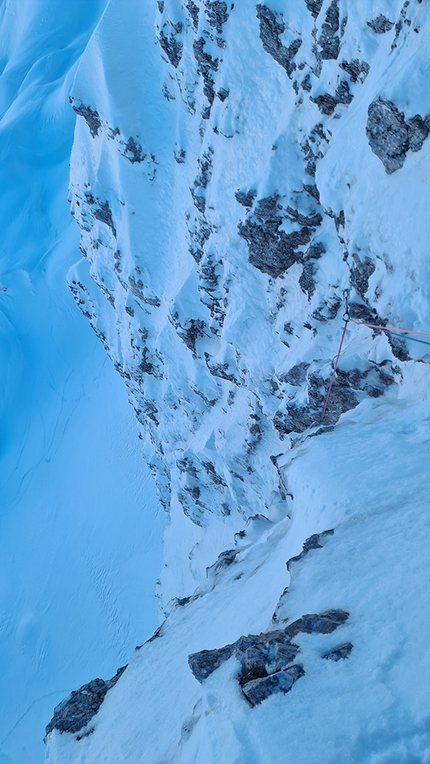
(243, 174)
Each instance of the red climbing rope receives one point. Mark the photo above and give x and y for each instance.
(349, 320)
(388, 328)
(327, 398)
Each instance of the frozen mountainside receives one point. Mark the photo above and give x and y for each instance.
(238, 171)
(76, 574)
(227, 195)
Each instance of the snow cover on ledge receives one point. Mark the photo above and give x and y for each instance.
(237, 169)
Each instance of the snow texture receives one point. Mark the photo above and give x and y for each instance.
(79, 520)
(242, 174)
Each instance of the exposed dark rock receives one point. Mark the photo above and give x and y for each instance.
(329, 40)
(327, 311)
(365, 313)
(137, 289)
(252, 672)
(225, 559)
(357, 70)
(189, 333)
(213, 474)
(380, 25)
(325, 623)
(398, 347)
(306, 83)
(246, 199)
(91, 117)
(297, 419)
(172, 47)
(216, 13)
(361, 272)
(195, 510)
(313, 220)
(256, 431)
(327, 102)
(418, 130)
(74, 713)
(205, 169)
(199, 201)
(343, 397)
(314, 7)
(199, 237)
(313, 542)
(221, 370)
(271, 27)
(398, 29)
(271, 250)
(284, 656)
(223, 93)
(306, 281)
(387, 134)
(206, 65)
(340, 652)
(296, 375)
(390, 136)
(203, 663)
(282, 681)
(312, 190)
(180, 155)
(267, 652)
(104, 213)
(315, 251)
(133, 151)
(186, 465)
(193, 10)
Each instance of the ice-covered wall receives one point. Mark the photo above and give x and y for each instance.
(242, 173)
(236, 167)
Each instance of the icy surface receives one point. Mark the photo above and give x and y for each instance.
(79, 521)
(238, 170)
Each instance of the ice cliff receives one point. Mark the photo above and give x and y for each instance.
(242, 174)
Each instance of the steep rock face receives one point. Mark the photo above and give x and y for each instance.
(75, 712)
(225, 215)
(268, 661)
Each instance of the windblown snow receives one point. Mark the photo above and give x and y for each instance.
(245, 176)
(77, 553)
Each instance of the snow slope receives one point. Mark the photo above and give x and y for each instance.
(238, 172)
(79, 521)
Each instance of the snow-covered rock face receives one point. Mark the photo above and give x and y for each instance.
(242, 175)
(230, 175)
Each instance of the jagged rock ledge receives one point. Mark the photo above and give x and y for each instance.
(268, 659)
(75, 711)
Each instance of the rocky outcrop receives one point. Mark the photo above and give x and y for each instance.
(391, 136)
(216, 13)
(259, 689)
(169, 36)
(74, 713)
(381, 24)
(314, 7)
(215, 263)
(90, 115)
(271, 29)
(267, 660)
(316, 541)
(329, 40)
(271, 249)
(340, 653)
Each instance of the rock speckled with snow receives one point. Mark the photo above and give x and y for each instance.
(216, 272)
